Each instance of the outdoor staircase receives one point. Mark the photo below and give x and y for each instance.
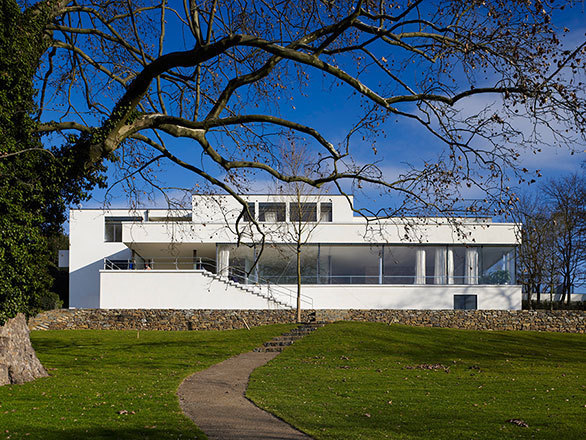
(279, 343)
(248, 288)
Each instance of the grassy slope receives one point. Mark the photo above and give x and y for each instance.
(349, 381)
(95, 374)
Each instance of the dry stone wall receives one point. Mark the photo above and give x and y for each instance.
(146, 319)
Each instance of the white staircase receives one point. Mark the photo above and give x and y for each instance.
(279, 301)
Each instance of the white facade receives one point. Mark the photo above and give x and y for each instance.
(190, 259)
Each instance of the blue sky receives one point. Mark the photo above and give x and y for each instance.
(398, 143)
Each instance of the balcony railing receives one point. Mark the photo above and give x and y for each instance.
(238, 274)
(161, 263)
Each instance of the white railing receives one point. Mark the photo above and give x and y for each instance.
(161, 263)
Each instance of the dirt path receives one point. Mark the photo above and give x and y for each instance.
(214, 400)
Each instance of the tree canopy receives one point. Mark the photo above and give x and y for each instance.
(36, 184)
(211, 87)
(138, 75)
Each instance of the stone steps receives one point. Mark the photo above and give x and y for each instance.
(279, 343)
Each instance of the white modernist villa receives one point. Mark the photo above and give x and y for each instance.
(175, 259)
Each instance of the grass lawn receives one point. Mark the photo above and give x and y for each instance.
(96, 374)
(369, 381)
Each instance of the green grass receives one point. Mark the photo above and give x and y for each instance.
(350, 381)
(95, 374)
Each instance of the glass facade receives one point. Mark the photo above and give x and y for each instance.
(349, 264)
(497, 265)
(376, 264)
(399, 264)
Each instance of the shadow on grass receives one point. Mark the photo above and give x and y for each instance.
(423, 344)
(100, 433)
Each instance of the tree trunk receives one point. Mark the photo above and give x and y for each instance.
(18, 360)
(298, 283)
(538, 288)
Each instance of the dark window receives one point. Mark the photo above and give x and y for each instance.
(113, 228)
(325, 212)
(305, 212)
(252, 210)
(170, 219)
(465, 302)
(271, 212)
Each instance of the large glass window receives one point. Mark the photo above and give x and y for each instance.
(497, 265)
(349, 264)
(459, 258)
(436, 265)
(271, 212)
(276, 264)
(399, 265)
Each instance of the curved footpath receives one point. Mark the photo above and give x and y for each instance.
(215, 398)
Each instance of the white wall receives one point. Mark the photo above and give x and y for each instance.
(87, 250)
(326, 233)
(172, 289)
(410, 296)
(192, 290)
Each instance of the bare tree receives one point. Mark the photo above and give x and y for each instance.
(129, 78)
(304, 209)
(567, 197)
(535, 237)
(208, 86)
(552, 238)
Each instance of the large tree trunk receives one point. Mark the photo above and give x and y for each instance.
(18, 361)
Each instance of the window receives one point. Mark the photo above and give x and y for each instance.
(339, 264)
(325, 212)
(113, 228)
(497, 265)
(271, 212)
(113, 231)
(252, 210)
(465, 302)
(459, 256)
(170, 219)
(304, 212)
(399, 265)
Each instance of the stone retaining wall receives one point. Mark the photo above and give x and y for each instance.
(144, 319)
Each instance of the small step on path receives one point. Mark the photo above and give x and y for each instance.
(215, 398)
(278, 343)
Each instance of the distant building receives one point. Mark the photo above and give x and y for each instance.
(190, 259)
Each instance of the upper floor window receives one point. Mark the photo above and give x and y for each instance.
(171, 218)
(271, 212)
(251, 213)
(325, 212)
(113, 228)
(305, 212)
